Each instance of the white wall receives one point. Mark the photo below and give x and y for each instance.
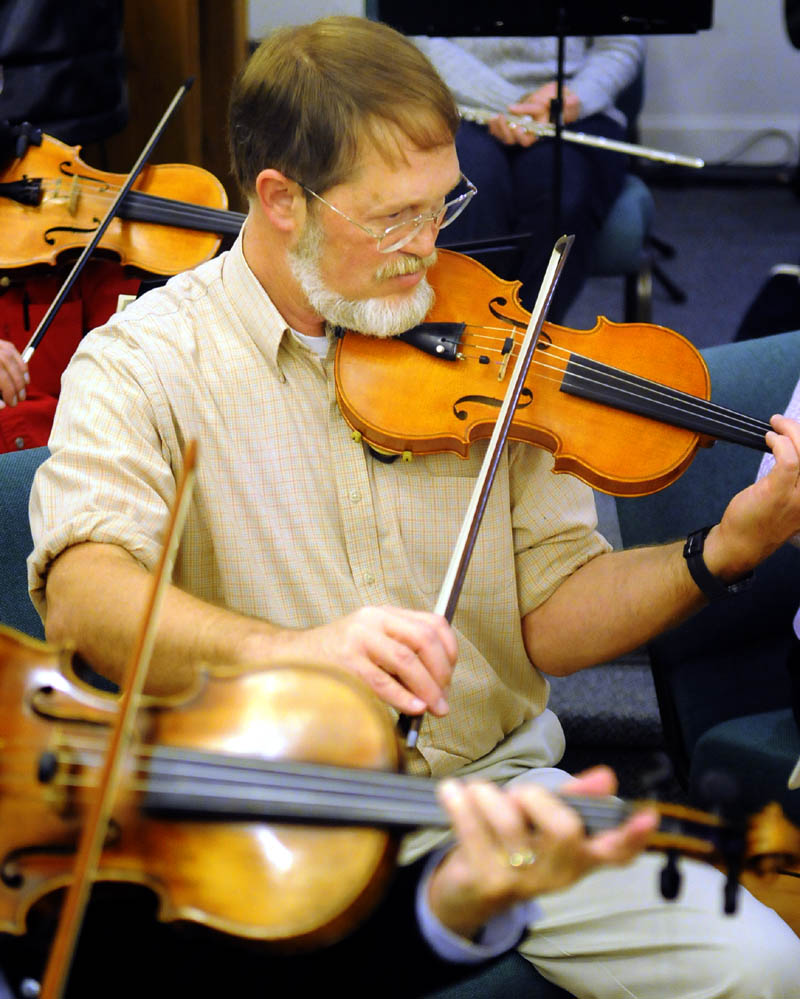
(706, 93)
(266, 14)
(709, 92)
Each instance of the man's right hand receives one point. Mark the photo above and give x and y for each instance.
(406, 657)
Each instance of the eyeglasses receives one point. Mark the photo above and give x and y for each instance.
(396, 236)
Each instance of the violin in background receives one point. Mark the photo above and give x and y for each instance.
(51, 201)
(51, 205)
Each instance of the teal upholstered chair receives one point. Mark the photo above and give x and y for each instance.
(17, 469)
(721, 677)
(622, 248)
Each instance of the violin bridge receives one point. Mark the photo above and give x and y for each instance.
(74, 194)
(508, 347)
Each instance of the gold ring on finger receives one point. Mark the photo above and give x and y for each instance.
(521, 858)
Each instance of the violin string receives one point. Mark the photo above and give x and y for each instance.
(190, 774)
(636, 387)
(669, 399)
(567, 356)
(732, 422)
(164, 210)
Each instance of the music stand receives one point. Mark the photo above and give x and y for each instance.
(548, 18)
(580, 17)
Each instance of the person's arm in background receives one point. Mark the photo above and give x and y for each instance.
(472, 81)
(13, 375)
(611, 64)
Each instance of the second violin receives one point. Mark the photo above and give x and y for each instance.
(52, 201)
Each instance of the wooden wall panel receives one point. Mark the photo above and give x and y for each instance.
(166, 43)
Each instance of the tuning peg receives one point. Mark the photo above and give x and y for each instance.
(731, 893)
(658, 780)
(26, 135)
(670, 881)
(720, 793)
(723, 796)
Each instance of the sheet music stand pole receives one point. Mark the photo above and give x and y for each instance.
(557, 120)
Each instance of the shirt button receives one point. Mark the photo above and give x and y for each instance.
(369, 579)
(355, 495)
(20, 443)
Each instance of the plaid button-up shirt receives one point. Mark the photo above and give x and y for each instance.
(292, 520)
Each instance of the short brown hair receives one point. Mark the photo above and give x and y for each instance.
(310, 93)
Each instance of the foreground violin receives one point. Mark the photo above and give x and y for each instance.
(52, 201)
(623, 406)
(265, 805)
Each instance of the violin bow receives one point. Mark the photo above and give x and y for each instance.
(96, 826)
(465, 543)
(78, 266)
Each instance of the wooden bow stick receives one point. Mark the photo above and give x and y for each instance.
(96, 827)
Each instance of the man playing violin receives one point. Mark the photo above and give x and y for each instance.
(302, 544)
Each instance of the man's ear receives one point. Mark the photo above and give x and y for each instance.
(282, 200)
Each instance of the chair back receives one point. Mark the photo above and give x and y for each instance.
(730, 659)
(17, 469)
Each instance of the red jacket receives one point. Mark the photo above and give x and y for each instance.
(92, 299)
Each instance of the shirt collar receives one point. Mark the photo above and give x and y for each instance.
(252, 304)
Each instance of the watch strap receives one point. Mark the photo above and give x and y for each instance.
(713, 587)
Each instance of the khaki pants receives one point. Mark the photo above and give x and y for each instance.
(612, 935)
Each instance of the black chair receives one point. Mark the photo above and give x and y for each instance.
(721, 677)
(509, 977)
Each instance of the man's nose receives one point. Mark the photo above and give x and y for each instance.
(424, 241)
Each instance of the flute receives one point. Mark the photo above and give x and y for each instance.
(481, 116)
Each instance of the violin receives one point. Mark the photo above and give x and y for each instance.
(261, 804)
(588, 395)
(172, 219)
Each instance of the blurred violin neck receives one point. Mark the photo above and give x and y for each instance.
(197, 784)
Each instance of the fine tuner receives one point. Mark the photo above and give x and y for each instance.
(482, 116)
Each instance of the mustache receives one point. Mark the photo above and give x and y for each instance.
(405, 264)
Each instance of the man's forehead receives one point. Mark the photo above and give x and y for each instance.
(399, 163)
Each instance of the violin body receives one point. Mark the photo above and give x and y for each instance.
(70, 200)
(290, 885)
(403, 400)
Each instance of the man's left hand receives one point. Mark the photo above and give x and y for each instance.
(760, 518)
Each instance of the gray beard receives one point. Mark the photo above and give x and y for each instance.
(372, 316)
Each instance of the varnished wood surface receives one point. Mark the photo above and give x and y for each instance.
(780, 892)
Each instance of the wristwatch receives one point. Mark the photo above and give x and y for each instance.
(713, 587)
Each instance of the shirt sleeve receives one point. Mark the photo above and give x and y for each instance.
(109, 477)
(611, 64)
(499, 935)
(554, 525)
